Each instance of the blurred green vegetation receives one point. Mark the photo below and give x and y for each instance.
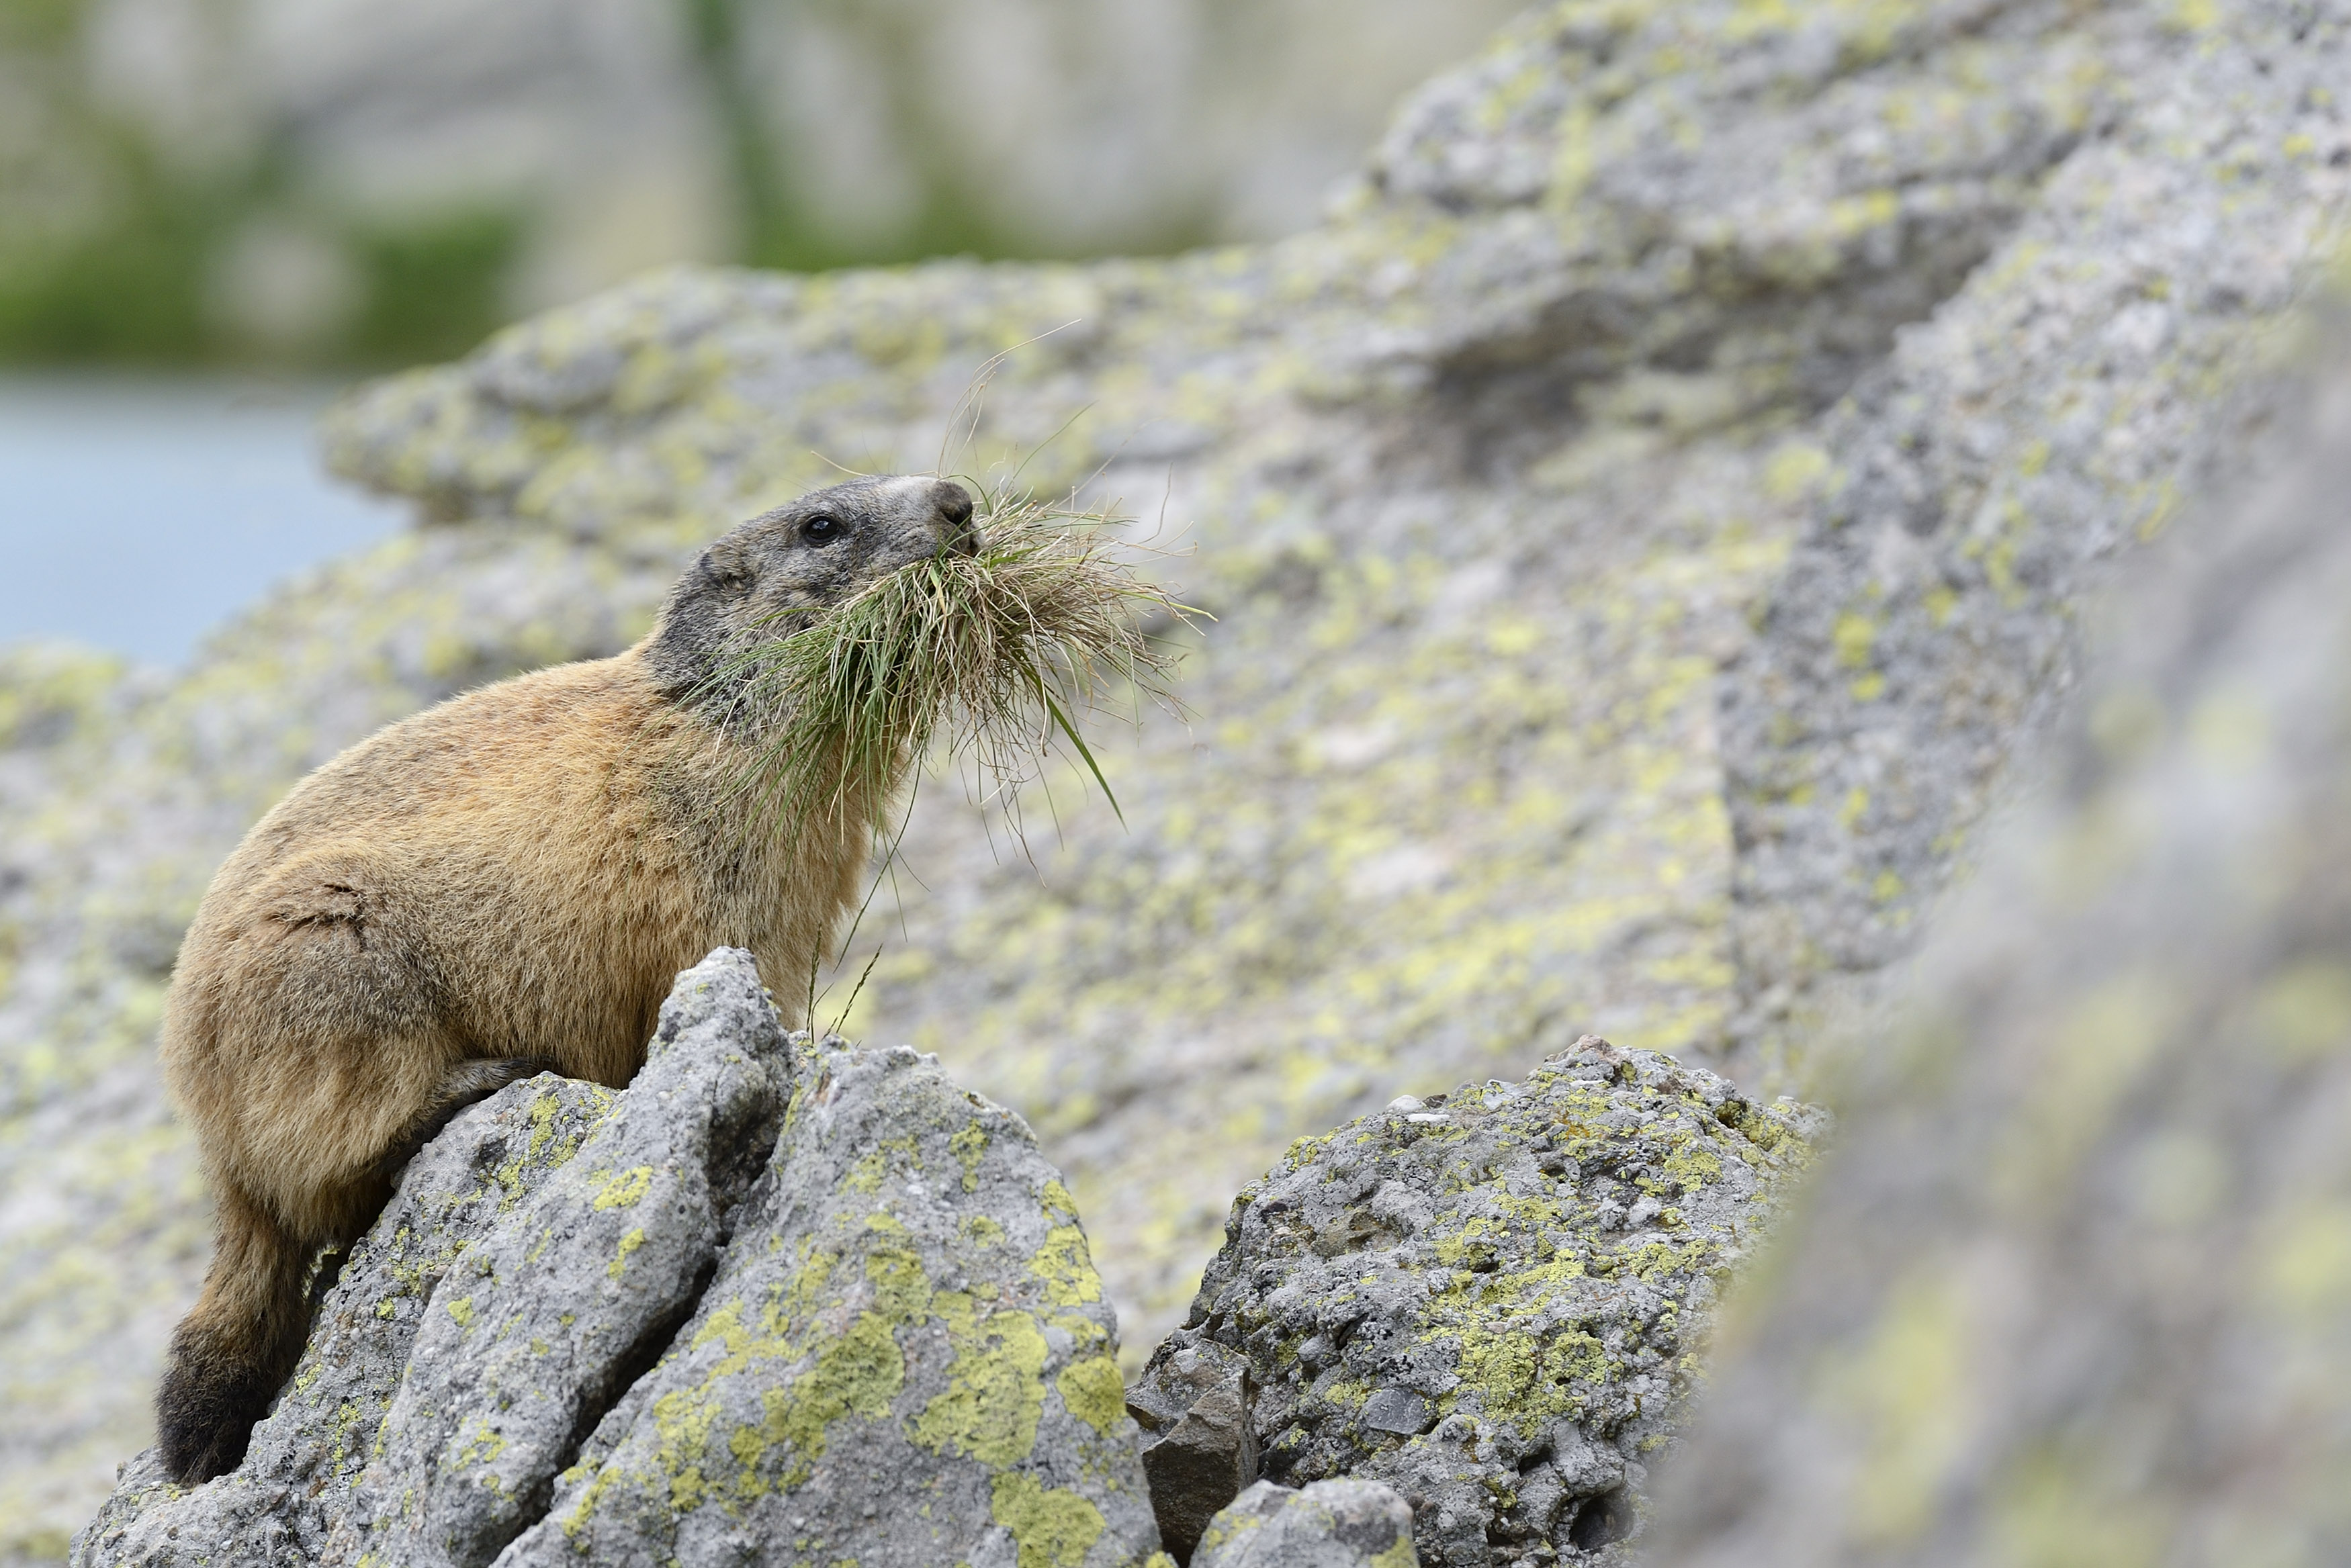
(277, 183)
(126, 289)
(778, 227)
(434, 289)
(132, 289)
(117, 245)
(112, 243)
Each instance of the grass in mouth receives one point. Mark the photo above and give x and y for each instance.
(1001, 653)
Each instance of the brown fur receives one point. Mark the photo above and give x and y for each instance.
(505, 883)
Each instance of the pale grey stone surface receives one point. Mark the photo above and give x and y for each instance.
(905, 1359)
(279, 1507)
(1330, 1524)
(2075, 1284)
(545, 1321)
(2118, 358)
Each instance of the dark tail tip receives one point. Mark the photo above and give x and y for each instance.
(205, 1413)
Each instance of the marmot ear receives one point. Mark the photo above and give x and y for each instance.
(724, 568)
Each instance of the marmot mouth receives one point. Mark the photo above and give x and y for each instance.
(996, 643)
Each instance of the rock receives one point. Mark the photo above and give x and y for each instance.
(1195, 1408)
(646, 1326)
(1494, 1303)
(1983, 482)
(1330, 1524)
(905, 1358)
(2075, 1285)
(1644, 522)
(281, 1504)
(548, 1319)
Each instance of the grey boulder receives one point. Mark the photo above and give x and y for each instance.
(542, 1325)
(905, 1358)
(278, 1508)
(2075, 1286)
(1493, 1300)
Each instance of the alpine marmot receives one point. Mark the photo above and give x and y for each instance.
(503, 884)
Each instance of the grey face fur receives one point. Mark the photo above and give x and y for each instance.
(762, 578)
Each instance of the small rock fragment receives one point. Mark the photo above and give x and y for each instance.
(1195, 1406)
(1398, 1410)
(1330, 1524)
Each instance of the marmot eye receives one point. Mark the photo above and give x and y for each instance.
(821, 529)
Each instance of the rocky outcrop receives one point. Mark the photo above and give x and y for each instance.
(820, 1302)
(296, 1484)
(768, 1298)
(2075, 1285)
(906, 1360)
(1644, 525)
(1494, 1300)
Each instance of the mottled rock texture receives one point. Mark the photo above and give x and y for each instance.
(905, 1360)
(296, 1482)
(1642, 521)
(645, 1328)
(550, 1317)
(2075, 1285)
(1494, 1300)
(1330, 1524)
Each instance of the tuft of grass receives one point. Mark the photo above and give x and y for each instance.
(1000, 654)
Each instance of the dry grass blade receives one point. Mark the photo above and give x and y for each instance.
(1000, 653)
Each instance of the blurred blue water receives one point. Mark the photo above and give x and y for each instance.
(134, 514)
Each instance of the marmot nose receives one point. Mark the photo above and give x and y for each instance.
(955, 506)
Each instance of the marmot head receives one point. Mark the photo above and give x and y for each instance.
(766, 577)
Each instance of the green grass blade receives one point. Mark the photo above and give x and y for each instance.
(1078, 740)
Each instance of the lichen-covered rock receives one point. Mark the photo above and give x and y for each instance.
(2075, 1285)
(279, 1507)
(1494, 1299)
(1330, 1524)
(545, 1321)
(1641, 524)
(2119, 353)
(905, 1359)
(538, 1252)
(898, 1348)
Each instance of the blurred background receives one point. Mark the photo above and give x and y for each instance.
(213, 210)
